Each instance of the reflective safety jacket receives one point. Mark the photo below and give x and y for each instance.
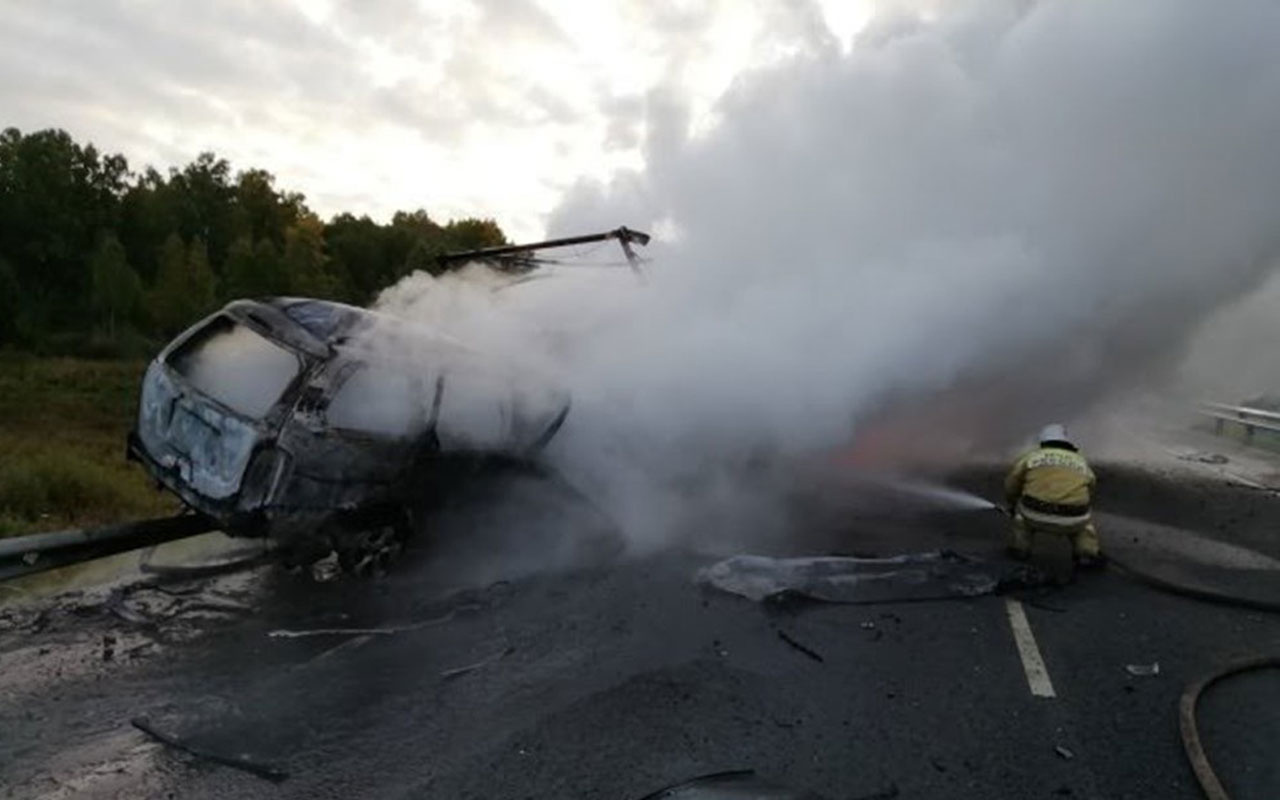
(1053, 479)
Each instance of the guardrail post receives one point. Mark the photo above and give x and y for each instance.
(1251, 420)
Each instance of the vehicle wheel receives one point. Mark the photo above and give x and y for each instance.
(371, 552)
(301, 554)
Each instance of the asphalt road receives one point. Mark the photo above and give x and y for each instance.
(476, 677)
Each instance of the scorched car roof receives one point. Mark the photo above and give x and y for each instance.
(323, 319)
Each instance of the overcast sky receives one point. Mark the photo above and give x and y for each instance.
(463, 107)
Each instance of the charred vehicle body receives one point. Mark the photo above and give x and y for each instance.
(328, 427)
(331, 428)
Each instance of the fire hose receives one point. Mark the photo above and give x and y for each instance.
(1128, 570)
(1191, 743)
(1188, 727)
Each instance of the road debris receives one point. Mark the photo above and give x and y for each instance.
(171, 613)
(239, 561)
(30, 621)
(1143, 670)
(282, 633)
(800, 647)
(884, 794)
(742, 784)
(1043, 606)
(458, 672)
(268, 772)
(933, 575)
(1204, 458)
(117, 607)
(287, 634)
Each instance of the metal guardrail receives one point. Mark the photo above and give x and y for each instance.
(1251, 419)
(26, 555)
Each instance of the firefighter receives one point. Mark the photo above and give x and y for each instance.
(1048, 491)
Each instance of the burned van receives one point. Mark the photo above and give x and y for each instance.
(329, 427)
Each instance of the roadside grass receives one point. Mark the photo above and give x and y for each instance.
(63, 423)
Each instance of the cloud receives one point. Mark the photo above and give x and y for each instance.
(469, 107)
(505, 20)
(268, 85)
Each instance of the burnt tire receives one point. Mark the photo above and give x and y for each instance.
(372, 551)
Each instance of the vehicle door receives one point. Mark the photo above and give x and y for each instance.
(357, 428)
(208, 403)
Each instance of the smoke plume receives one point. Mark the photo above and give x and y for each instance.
(964, 226)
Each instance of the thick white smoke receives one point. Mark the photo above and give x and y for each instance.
(1235, 356)
(1015, 206)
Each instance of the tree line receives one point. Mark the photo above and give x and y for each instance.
(98, 259)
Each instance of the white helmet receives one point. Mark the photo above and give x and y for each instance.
(1055, 432)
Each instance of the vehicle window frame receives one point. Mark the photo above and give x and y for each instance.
(202, 334)
(344, 374)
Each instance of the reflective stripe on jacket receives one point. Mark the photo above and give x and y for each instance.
(1039, 519)
(1051, 475)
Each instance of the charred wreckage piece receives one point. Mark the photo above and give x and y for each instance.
(331, 428)
(934, 575)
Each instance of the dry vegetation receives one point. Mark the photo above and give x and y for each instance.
(63, 423)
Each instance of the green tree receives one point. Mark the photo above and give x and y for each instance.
(117, 290)
(204, 201)
(184, 289)
(357, 256)
(167, 300)
(418, 222)
(422, 258)
(10, 304)
(269, 269)
(473, 234)
(305, 262)
(240, 270)
(201, 283)
(409, 230)
(147, 216)
(55, 198)
(253, 271)
(262, 212)
(80, 235)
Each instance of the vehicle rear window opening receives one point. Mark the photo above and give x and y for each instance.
(235, 366)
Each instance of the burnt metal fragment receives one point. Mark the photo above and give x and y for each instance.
(266, 771)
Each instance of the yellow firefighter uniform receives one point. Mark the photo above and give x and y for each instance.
(1049, 490)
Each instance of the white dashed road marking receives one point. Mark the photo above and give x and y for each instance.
(1032, 663)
